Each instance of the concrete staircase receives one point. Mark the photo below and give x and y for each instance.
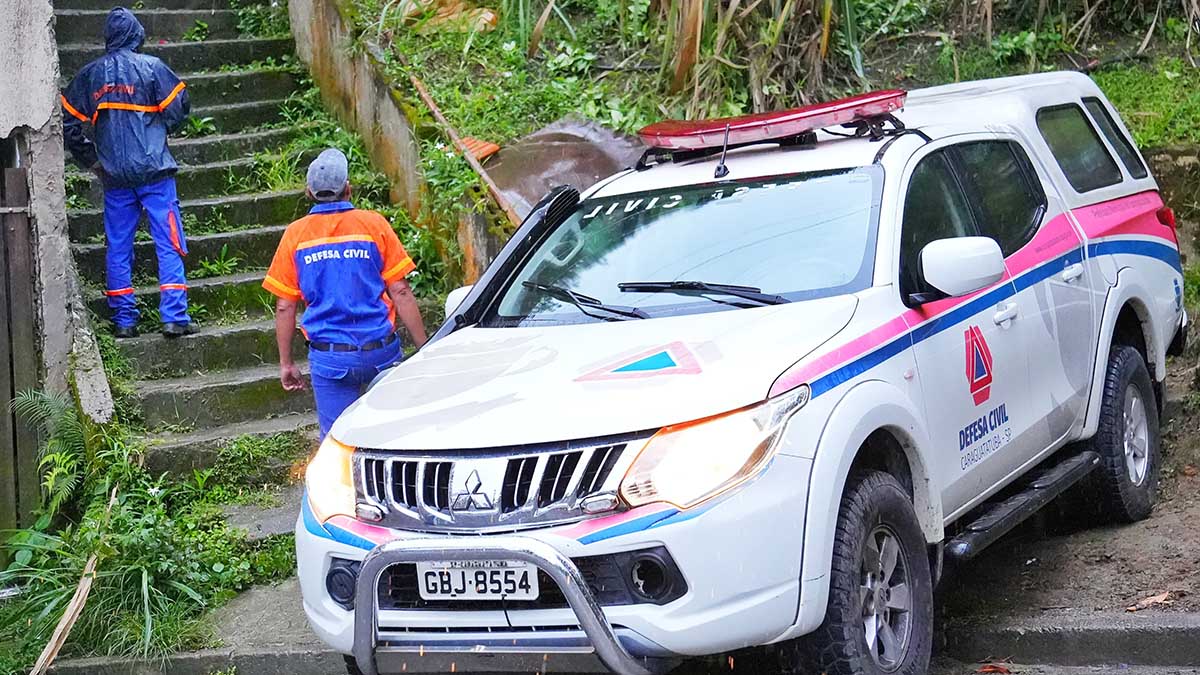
(198, 392)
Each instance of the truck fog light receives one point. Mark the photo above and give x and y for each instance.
(649, 577)
(599, 503)
(368, 512)
(342, 581)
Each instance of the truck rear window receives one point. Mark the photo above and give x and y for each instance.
(1077, 148)
(1119, 141)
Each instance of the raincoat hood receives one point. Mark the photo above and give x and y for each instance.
(123, 31)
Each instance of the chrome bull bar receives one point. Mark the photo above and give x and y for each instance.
(521, 549)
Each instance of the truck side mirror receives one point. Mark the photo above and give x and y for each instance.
(962, 265)
(455, 298)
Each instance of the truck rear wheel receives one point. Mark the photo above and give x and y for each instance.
(1127, 440)
(879, 619)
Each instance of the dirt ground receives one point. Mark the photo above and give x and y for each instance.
(1038, 568)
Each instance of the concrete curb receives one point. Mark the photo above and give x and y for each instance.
(1074, 639)
(259, 661)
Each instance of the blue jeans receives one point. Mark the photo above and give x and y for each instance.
(338, 378)
(123, 208)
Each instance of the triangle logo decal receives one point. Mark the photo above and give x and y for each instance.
(672, 359)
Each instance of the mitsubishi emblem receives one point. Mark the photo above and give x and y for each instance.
(473, 498)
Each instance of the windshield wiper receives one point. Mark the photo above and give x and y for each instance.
(586, 302)
(703, 289)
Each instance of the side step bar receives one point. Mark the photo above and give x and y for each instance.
(997, 520)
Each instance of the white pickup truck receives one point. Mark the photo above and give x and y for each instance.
(756, 390)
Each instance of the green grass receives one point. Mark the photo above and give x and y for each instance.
(1160, 102)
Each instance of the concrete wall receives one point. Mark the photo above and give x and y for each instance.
(29, 109)
(353, 86)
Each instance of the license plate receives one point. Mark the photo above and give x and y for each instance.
(477, 580)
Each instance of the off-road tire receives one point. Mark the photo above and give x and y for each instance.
(1120, 499)
(839, 647)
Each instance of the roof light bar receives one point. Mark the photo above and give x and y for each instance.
(677, 135)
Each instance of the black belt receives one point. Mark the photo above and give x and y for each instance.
(365, 347)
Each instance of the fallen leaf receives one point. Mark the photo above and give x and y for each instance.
(1163, 598)
(993, 668)
(1190, 471)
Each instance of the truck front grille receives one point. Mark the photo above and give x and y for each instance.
(485, 491)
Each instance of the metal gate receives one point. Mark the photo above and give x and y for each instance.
(19, 357)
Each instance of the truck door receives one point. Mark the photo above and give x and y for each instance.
(971, 356)
(1044, 254)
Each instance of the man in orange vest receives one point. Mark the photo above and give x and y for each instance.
(348, 267)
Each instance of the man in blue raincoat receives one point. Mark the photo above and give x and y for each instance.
(132, 101)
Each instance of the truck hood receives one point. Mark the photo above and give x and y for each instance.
(493, 387)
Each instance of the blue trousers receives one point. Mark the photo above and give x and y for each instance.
(123, 209)
(339, 378)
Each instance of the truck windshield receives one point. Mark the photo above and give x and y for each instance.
(798, 236)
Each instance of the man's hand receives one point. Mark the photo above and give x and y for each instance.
(290, 377)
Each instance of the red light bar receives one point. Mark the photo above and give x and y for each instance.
(763, 127)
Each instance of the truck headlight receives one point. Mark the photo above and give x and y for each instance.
(686, 464)
(329, 480)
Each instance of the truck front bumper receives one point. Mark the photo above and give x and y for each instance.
(601, 637)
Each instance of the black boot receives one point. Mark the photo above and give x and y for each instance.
(174, 330)
(124, 332)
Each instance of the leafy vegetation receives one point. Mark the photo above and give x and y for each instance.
(262, 20)
(197, 33)
(77, 186)
(164, 552)
(222, 265)
(1160, 102)
(194, 127)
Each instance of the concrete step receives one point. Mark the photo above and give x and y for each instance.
(253, 247)
(213, 348)
(239, 87)
(219, 295)
(191, 182)
(260, 522)
(210, 400)
(224, 147)
(212, 213)
(237, 117)
(105, 5)
(83, 25)
(180, 453)
(184, 56)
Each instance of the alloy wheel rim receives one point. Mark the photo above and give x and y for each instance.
(1137, 436)
(886, 598)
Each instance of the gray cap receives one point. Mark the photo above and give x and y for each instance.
(327, 175)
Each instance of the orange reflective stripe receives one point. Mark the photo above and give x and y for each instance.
(173, 287)
(113, 105)
(135, 107)
(173, 229)
(333, 240)
(276, 286)
(119, 291)
(71, 109)
(400, 269)
(170, 97)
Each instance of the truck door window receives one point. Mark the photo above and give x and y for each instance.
(934, 208)
(1005, 192)
(1119, 141)
(1077, 148)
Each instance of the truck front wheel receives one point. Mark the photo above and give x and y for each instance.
(879, 619)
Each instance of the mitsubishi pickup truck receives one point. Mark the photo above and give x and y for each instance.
(759, 391)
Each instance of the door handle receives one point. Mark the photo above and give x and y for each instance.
(1072, 272)
(1005, 313)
